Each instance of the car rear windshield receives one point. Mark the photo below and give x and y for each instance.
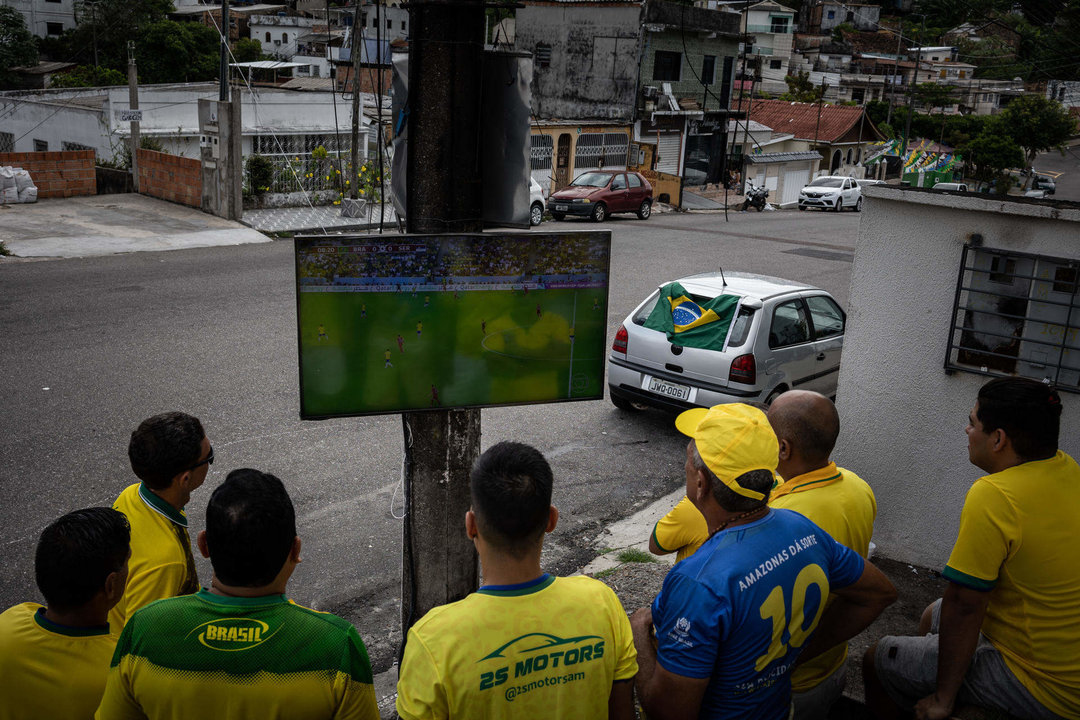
(827, 182)
(736, 338)
(592, 180)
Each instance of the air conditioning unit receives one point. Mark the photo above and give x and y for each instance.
(650, 92)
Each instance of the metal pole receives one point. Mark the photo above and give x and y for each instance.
(357, 41)
(911, 97)
(439, 563)
(896, 68)
(223, 73)
(133, 97)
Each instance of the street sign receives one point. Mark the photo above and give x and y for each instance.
(129, 115)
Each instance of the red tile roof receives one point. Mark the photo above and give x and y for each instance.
(801, 119)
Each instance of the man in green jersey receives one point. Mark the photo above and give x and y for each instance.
(241, 648)
(526, 644)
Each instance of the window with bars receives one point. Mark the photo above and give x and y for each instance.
(7, 142)
(595, 150)
(540, 152)
(1017, 314)
(542, 56)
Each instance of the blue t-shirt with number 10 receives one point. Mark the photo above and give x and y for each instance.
(740, 609)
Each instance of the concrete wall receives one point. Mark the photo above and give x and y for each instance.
(693, 49)
(902, 417)
(594, 60)
(170, 177)
(39, 13)
(57, 174)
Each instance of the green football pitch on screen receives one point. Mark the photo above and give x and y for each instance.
(401, 323)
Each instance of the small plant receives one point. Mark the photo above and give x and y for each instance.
(634, 555)
(260, 172)
(604, 573)
(4, 252)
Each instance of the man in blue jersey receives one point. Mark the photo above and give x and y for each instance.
(721, 638)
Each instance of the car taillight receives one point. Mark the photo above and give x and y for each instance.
(743, 369)
(620, 340)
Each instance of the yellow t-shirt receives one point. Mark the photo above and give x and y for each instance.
(161, 564)
(682, 530)
(1018, 538)
(549, 648)
(843, 505)
(49, 670)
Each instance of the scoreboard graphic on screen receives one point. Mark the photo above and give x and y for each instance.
(398, 323)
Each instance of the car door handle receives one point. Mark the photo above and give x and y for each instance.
(821, 356)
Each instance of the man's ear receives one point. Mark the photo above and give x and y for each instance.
(1000, 441)
(471, 530)
(702, 488)
(200, 541)
(553, 518)
(785, 449)
(114, 587)
(294, 552)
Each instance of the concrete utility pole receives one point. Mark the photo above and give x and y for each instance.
(896, 68)
(444, 195)
(133, 97)
(223, 75)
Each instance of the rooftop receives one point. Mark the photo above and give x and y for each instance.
(806, 121)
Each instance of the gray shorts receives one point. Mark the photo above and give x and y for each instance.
(907, 668)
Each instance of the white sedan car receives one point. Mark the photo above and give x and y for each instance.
(832, 192)
(784, 335)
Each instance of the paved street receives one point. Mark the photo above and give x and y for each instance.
(94, 345)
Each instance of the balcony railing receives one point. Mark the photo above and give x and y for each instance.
(776, 29)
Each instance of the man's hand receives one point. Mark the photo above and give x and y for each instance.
(662, 694)
(933, 707)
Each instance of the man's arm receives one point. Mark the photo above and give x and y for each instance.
(852, 610)
(621, 701)
(962, 613)
(662, 694)
(655, 548)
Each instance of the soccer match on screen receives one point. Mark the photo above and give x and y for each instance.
(415, 322)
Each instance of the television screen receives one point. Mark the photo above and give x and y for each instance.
(388, 324)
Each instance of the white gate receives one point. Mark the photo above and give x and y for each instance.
(794, 181)
(669, 146)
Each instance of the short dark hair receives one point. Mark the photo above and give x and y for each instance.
(758, 480)
(812, 432)
(77, 552)
(250, 528)
(510, 486)
(1027, 410)
(164, 446)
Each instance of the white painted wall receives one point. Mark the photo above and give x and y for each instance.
(38, 13)
(902, 417)
(283, 32)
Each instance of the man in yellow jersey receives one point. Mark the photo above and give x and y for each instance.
(54, 659)
(681, 531)
(1006, 635)
(836, 500)
(172, 456)
(241, 649)
(526, 644)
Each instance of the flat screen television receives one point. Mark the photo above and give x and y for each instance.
(390, 324)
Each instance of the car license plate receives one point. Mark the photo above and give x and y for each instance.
(561, 208)
(668, 389)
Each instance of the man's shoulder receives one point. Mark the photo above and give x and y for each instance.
(127, 497)
(16, 618)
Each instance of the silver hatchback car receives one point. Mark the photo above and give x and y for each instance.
(784, 335)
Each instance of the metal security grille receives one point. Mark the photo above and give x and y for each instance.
(1017, 314)
(7, 142)
(299, 145)
(595, 150)
(540, 151)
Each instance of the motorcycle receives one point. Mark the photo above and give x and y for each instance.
(756, 197)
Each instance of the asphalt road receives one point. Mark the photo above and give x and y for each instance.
(1063, 168)
(92, 346)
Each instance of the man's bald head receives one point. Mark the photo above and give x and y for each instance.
(808, 421)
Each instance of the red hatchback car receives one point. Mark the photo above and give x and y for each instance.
(600, 193)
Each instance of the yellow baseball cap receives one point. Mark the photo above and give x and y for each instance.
(732, 439)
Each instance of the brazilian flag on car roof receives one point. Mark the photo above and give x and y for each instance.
(690, 323)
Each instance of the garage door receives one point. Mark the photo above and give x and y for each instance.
(670, 145)
(794, 181)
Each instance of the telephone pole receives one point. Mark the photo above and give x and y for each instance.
(444, 195)
(223, 75)
(133, 97)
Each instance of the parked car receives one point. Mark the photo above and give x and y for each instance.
(599, 193)
(866, 182)
(785, 335)
(536, 202)
(831, 192)
(1042, 182)
(951, 186)
(1035, 193)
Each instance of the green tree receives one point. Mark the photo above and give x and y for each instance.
(170, 51)
(991, 155)
(1037, 125)
(17, 46)
(247, 50)
(88, 76)
(800, 89)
